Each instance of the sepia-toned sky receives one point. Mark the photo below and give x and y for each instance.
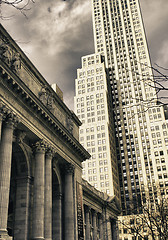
(56, 34)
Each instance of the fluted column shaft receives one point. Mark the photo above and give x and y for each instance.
(5, 172)
(1, 118)
(57, 216)
(38, 200)
(87, 233)
(101, 228)
(69, 203)
(3, 113)
(94, 226)
(48, 197)
(109, 233)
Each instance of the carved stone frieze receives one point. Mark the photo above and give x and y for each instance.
(46, 98)
(9, 56)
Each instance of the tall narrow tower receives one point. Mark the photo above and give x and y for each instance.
(140, 125)
(93, 107)
(120, 37)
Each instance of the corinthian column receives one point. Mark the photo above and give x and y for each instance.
(57, 216)
(69, 203)
(38, 197)
(48, 197)
(101, 227)
(5, 171)
(87, 221)
(3, 111)
(1, 118)
(94, 226)
(109, 233)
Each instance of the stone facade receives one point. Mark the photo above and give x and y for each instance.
(42, 195)
(100, 214)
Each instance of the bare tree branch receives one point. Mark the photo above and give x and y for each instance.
(20, 5)
(154, 220)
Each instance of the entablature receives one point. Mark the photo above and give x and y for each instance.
(11, 81)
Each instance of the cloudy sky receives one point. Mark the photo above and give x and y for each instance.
(57, 33)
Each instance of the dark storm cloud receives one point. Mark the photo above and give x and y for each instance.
(155, 20)
(57, 33)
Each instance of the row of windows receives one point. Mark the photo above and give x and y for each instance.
(159, 141)
(90, 89)
(99, 135)
(159, 161)
(92, 150)
(90, 72)
(151, 117)
(90, 82)
(94, 170)
(161, 176)
(163, 168)
(101, 127)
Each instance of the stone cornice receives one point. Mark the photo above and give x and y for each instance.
(36, 73)
(12, 81)
(99, 197)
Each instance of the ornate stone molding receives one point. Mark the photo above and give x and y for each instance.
(50, 151)
(3, 111)
(7, 115)
(46, 98)
(69, 168)
(65, 133)
(11, 119)
(39, 146)
(9, 56)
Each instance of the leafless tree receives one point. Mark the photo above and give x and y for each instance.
(152, 223)
(20, 5)
(159, 82)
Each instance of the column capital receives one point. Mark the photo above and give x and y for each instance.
(3, 111)
(11, 119)
(39, 146)
(69, 168)
(50, 152)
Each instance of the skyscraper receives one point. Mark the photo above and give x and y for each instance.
(141, 129)
(93, 106)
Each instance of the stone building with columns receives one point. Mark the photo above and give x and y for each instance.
(42, 194)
